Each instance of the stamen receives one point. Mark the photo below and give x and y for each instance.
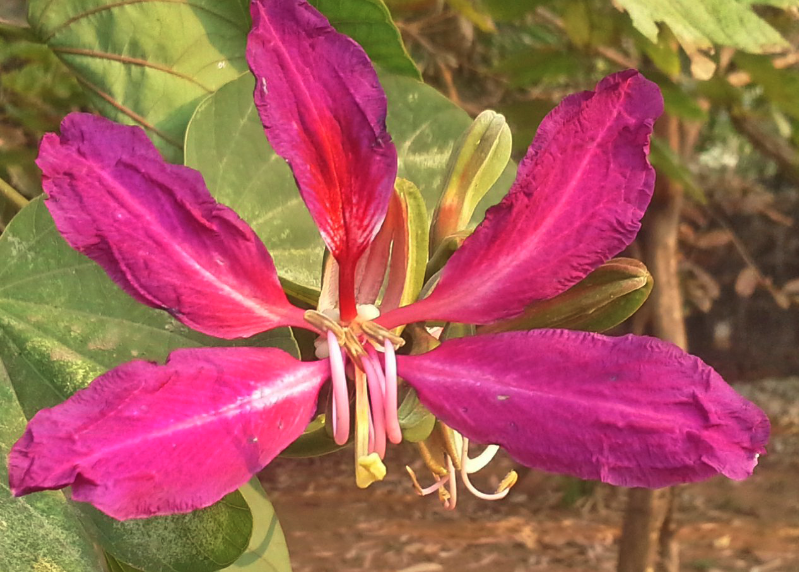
(393, 429)
(354, 347)
(324, 324)
(376, 402)
(380, 334)
(504, 487)
(451, 500)
(341, 398)
(375, 359)
(481, 460)
(440, 482)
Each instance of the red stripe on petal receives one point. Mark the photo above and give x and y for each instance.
(577, 201)
(146, 439)
(631, 411)
(324, 111)
(157, 232)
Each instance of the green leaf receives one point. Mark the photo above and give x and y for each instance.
(369, 23)
(115, 565)
(577, 23)
(62, 323)
(226, 142)
(267, 551)
(315, 441)
(41, 531)
(147, 62)
(201, 541)
(151, 62)
(668, 163)
(699, 24)
(474, 12)
(780, 86)
(536, 65)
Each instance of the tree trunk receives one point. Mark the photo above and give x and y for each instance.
(648, 542)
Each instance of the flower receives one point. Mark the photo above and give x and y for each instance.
(147, 439)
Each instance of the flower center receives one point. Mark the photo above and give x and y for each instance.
(361, 343)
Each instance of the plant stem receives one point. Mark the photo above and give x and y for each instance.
(13, 195)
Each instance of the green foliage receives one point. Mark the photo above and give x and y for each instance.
(267, 551)
(369, 23)
(39, 532)
(147, 63)
(200, 541)
(701, 24)
(36, 91)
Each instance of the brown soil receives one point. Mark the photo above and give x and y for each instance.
(548, 523)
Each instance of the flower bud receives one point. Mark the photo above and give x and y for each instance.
(604, 299)
(476, 163)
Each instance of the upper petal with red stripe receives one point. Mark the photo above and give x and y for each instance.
(157, 232)
(146, 439)
(577, 201)
(631, 411)
(324, 111)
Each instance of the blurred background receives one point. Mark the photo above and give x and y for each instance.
(720, 240)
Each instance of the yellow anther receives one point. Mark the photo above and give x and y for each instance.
(379, 334)
(509, 480)
(324, 323)
(369, 469)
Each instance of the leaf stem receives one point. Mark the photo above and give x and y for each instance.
(13, 195)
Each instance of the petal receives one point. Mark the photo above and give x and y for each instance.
(147, 439)
(577, 201)
(631, 411)
(324, 112)
(157, 232)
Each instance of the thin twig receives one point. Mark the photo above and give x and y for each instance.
(17, 199)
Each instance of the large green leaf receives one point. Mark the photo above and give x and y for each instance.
(226, 142)
(369, 23)
(267, 551)
(699, 24)
(38, 532)
(63, 322)
(147, 62)
(201, 541)
(150, 62)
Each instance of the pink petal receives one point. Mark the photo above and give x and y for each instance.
(577, 201)
(147, 439)
(631, 411)
(157, 232)
(324, 112)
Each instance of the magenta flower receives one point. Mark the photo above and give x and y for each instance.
(147, 439)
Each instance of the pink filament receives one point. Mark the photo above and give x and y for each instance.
(377, 442)
(440, 482)
(393, 429)
(341, 398)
